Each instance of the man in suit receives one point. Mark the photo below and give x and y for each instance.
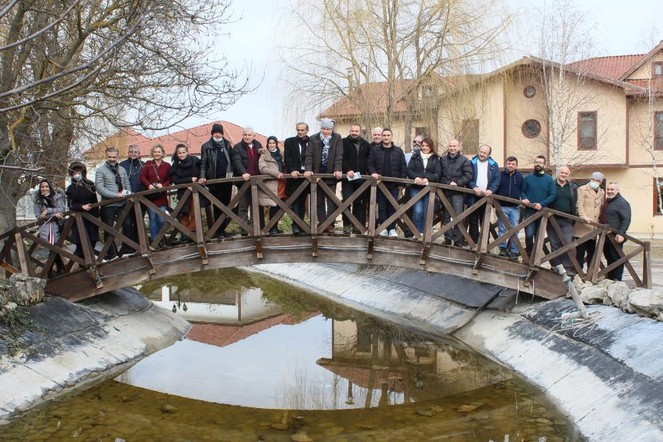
(293, 161)
(245, 156)
(355, 156)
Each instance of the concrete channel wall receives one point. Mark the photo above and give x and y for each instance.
(606, 374)
(73, 346)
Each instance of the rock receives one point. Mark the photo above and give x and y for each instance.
(594, 294)
(26, 290)
(301, 436)
(646, 302)
(426, 412)
(580, 284)
(279, 426)
(167, 408)
(618, 293)
(468, 408)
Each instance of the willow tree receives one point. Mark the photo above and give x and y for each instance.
(407, 49)
(75, 67)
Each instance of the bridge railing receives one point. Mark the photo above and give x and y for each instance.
(23, 251)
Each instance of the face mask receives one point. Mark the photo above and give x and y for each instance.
(594, 185)
(77, 176)
(217, 140)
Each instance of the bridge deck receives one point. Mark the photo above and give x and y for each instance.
(23, 251)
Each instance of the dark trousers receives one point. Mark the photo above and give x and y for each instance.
(109, 215)
(299, 205)
(358, 207)
(385, 208)
(325, 204)
(474, 220)
(585, 252)
(223, 192)
(566, 226)
(611, 255)
(457, 201)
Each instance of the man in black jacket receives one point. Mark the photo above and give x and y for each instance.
(457, 171)
(293, 161)
(215, 163)
(387, 159)
(616, 213)
(245, 156)
(325, 155)
(133, 165)
(355, 156)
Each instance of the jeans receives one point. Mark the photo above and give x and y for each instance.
(385, 209)
(156, 221)
(530, 232)
(513, 216)
(419, 209)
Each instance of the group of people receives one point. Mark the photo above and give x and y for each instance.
(347, 160)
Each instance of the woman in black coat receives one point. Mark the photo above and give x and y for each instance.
(424, 168)
(81, 194)
(185, 169)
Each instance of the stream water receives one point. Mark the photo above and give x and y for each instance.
(266, 361)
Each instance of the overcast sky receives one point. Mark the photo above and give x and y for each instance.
(621, 28)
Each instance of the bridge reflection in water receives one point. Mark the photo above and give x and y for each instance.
(89, 275)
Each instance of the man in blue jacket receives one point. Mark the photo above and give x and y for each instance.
(511, 181)
(485, 181)
(538, 189)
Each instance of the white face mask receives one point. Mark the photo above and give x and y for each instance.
(218, 140)
(594, 185)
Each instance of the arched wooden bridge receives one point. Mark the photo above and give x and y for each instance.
(23, 251)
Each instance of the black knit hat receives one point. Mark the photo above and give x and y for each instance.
(217, 128)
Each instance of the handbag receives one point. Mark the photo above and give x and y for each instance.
(154, 196)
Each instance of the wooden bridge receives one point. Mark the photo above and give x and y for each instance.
(23, 251)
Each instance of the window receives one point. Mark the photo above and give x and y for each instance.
(529, 91)
(586, 130)
(658, 210)
(657, 69)
(423, 131)
(531, 128)
(658, 130)
(469, 134)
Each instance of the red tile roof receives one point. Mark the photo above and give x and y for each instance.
(375, 95)
(612, 67)
(194, 137)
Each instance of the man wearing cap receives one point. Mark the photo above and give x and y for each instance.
(215, 163)
(294, 153)
(325, 155)
(590, 202)
(245, 156)
(355, 156)
(566, 201)
(617, 214)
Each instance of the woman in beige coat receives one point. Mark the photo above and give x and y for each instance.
(271, 163)
(590, 201)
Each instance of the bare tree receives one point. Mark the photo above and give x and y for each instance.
(384, 55)
(73, 67)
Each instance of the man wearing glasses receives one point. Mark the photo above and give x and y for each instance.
(538, 189)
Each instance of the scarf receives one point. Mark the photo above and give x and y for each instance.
(425, 157)
(325, 149)
(116, 172)
(278, 157)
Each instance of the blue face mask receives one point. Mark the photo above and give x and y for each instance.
(594, 185)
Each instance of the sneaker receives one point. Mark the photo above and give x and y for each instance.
(393, 234)
(504, 253)
(384, 233)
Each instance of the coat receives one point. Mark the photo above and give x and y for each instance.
(80, 193)
(354, 159)
(293, 160)
(415, 168)
(106, 185)
(589, 205)
(313, 159)
(268, 166)
(152, 174)
(50, 230)
(376, 161)
(208, 157)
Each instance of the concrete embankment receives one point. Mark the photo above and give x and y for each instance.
(605, 373)
(70, 346)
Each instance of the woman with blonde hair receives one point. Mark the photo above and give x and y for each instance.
(155, 176)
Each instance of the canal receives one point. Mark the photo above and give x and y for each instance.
(266, 361)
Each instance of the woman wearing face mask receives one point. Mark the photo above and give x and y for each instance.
(81, 194)
(271, 163)
(424, 167)
(185, 169)
(49, 206)
(155, 176)
(590, 201)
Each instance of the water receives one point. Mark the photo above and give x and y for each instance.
(270, 362)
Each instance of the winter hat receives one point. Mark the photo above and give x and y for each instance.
(598, 176)
(217, 128)
(327, 123)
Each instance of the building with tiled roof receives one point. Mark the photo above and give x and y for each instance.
(193, 137)
(612, 108)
